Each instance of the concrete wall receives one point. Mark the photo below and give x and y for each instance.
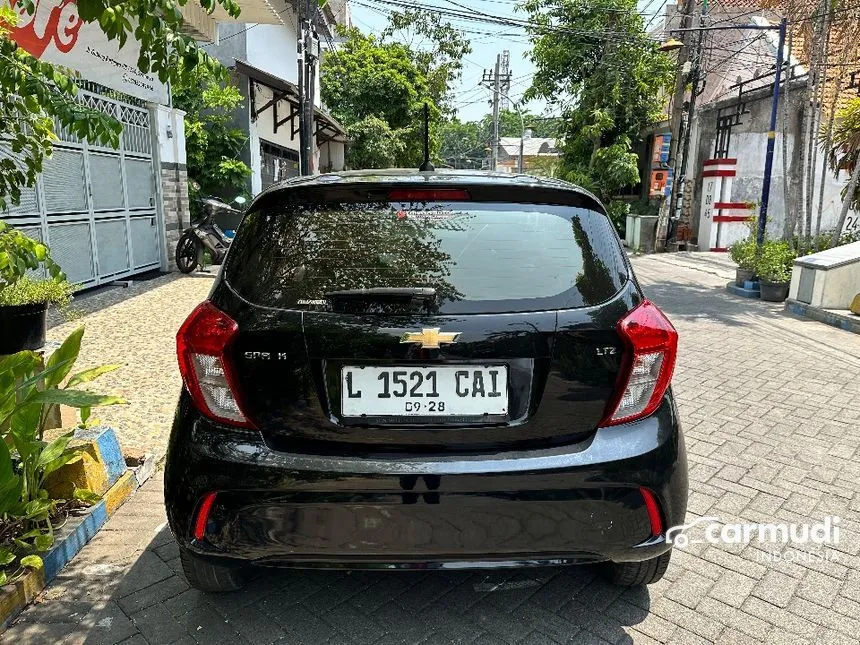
(271, 48)
(332, 156)
(749, 144)
(173, 175)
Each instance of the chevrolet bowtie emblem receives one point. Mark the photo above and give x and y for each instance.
(430, 338)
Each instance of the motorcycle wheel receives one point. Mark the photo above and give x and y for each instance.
(188, 252)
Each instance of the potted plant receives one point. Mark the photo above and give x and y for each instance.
(773, 266)
(29, 388)
(742, 253)
(24, 295)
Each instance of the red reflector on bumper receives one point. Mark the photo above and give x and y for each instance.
(653, 511)
(203, 515)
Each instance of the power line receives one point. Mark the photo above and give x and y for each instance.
(657, 13)
(478, 16)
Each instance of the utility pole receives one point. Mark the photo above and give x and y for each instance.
(695, 72)
(500, 78)
(677, 117)
(505, 81)
(308, 53)
(496, 84)
(771, 138)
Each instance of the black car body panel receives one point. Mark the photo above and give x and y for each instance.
(576, 503)
(539, 482)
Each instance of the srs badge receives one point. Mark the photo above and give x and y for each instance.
(430, 338)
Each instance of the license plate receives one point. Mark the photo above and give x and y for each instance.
(461, 390)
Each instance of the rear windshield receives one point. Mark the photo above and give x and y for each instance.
(472, 257)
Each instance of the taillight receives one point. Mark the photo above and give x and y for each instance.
(651, 345)
(201, 346)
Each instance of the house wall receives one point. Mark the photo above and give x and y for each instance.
(749, 145)
(332, 156)
(273, 48)
(265, 122)
(173, 176)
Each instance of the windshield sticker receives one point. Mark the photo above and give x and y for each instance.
(426, 216)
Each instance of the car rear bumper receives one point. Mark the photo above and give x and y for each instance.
(581, 503)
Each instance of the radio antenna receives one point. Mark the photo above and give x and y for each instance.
(426, 166)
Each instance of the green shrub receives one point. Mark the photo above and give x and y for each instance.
(618, 211)
(27, 291)
(742, 253)
(20, 256)
(822, 241)
(775, 261)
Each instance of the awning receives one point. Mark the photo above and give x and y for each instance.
(326, 127)
(267, 12)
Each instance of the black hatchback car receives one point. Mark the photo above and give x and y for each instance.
(402, 369)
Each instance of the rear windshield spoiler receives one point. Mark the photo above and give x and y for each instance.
(379, 192)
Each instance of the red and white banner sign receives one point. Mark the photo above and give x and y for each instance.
(56, 33)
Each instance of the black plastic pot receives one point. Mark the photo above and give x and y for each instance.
(23, 326)
(742, 275)
(774, 291)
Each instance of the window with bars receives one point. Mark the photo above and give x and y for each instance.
(277, 163)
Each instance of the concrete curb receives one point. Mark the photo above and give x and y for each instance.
(743, 292)
(846, 322)
(72, 538)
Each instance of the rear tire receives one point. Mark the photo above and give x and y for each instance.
(211, 577)
(188, 250)
(634, 574)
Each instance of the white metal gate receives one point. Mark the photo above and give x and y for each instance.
(95, 207)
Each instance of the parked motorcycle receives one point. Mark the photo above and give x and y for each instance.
(205, 234)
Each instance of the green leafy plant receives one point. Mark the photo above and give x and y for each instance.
(774, 261)
(29, 390)
(212, 142)
(743, 253)
(609, 89)
(824, 240)
(20, 255)
(28, 292)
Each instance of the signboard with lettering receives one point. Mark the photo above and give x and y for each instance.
(56, 33)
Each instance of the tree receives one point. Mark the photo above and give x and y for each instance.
(595, 61)
(377, 87)
(36, 92)
(373, 144)
(510, 124)
(463, 143)
(213, 146)
(367, 78)
(844, 154)
(436, 47)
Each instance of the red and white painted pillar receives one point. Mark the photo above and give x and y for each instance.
(721, 221)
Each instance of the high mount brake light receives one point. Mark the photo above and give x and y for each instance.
(201, 347)
(429, 195)
(651, 344)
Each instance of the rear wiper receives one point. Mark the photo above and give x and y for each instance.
(413, 292)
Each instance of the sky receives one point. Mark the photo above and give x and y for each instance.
(473, 101)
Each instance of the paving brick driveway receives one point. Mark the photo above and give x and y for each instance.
(136, 326)
(771, 410)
